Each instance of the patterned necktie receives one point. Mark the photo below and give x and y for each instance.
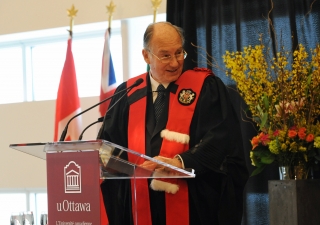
(159, 102)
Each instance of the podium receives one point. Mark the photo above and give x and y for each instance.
(75, 167)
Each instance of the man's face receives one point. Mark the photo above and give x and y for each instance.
(164, 42)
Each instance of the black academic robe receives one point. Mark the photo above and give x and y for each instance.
(216, 154)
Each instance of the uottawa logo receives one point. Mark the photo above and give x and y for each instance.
(72, 178)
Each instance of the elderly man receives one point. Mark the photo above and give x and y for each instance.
(184, 118)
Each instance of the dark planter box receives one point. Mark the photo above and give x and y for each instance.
(294, 202)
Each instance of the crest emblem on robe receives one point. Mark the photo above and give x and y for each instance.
(186, 96)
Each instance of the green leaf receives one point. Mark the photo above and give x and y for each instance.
(258, 170)
(259, 164)
(259, 109)
(267, 159)
(260, 149)
(264, 119)
(309, 77)
(265, 101)
(308, 82)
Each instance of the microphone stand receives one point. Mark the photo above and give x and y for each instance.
(64, 133)
(101, 119)
(98, 121)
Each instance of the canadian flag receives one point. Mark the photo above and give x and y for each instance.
(68, 103)
(108, 78)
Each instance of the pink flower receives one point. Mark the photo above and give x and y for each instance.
(293, 128)
(264, 138)
(286, 107)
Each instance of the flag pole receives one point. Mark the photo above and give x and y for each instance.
(72, 13)
(156, 5)
(107, 75)
(110, 9)
(68, 102)
(108, 78)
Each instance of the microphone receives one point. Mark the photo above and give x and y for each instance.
(97, 121)
(136, 83)
(108, 116)
(101, 119)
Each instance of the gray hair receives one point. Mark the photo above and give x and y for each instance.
(149, 32)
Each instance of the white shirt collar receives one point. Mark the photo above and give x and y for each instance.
(155, 84)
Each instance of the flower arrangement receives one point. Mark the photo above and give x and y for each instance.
(283, 96)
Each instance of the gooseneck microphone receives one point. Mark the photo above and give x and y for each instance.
(135, 84)
(101, 119)
(97, 121)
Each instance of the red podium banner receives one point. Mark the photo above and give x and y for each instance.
(73, 188)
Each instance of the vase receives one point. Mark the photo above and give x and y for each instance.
(284, 172)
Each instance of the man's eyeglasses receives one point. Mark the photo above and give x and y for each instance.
(167, 58)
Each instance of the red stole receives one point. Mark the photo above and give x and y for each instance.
(177, 205)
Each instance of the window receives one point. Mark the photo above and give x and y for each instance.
(31, 66)
(38, 205)
(31, 63)
(48, 61)
(47, 64)
(11, 75)
(24, 202)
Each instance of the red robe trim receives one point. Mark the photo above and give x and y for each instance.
(177, 205)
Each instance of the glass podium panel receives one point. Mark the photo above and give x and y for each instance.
(112, 159)
(34, 149)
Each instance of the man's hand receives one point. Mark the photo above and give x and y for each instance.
(174, 161)
(154, 166)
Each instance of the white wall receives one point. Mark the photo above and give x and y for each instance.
(27, 15)
(30, 122)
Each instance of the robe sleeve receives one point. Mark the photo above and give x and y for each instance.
(215, 131)
(216, 154)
